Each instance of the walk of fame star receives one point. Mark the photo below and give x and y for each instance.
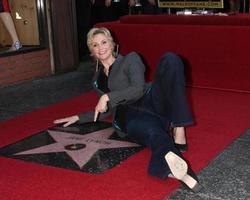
(80, 148)
(94, 151)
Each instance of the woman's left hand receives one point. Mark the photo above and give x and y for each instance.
(102, 105)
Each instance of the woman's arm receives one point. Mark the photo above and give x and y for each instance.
(129, 83)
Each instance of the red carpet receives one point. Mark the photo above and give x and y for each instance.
(220, 116)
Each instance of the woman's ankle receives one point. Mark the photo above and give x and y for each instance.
(179, 135)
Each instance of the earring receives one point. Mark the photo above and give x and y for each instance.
(97, 65)
(116, 52)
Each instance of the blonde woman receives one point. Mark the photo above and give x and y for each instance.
(144, 112)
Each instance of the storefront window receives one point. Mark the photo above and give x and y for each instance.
(22, 26)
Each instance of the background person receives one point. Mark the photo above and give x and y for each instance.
(150, 7)
(110, 10)
(9, 24)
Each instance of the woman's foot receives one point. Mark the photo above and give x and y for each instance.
(182, 172)
(16, 46)
(180, 138)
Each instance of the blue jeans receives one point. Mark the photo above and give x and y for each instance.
(148, 120)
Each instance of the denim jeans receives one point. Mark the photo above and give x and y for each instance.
(147, 121)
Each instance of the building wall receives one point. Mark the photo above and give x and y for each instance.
(20, 67)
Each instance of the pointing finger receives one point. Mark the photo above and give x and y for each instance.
(96, 115)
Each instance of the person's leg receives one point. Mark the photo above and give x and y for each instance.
(115, 10)
(102, 13)
(149, 130)
(168, 95)
(147, 8)
(9, 24)
(166, 159)
(123, 8)
(179, 136)
(84, 24)
(169, 88)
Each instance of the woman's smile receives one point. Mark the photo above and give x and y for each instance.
(102, 47)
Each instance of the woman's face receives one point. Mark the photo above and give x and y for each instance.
(101, 47)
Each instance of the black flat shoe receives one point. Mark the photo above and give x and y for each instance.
(180, 170)
(197, 187)
(181, 147)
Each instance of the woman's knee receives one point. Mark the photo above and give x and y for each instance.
(170, 55)
(172, 61)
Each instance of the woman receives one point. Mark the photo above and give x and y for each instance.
(144, 112)
(9, 24)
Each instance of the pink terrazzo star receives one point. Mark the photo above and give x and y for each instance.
(88, 144)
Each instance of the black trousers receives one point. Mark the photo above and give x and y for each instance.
(165, 104)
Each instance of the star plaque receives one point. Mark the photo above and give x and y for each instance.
(90, 147)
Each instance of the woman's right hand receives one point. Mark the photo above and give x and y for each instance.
(67, 120)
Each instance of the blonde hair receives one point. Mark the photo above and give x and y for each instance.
(95, 31)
